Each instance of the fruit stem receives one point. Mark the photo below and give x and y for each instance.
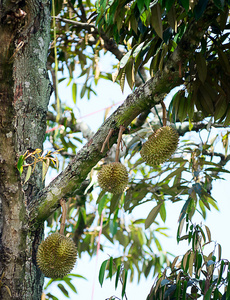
(164, 113)
(121, 130)
(107, 140)
(63, 219)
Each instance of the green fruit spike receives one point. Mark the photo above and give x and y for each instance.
(160, 146)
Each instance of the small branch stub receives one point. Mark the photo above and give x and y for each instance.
(164, 113)
(64, 212)
(122, 129)
(107, 140)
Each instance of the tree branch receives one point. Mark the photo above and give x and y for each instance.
(71, 178)
(109, 44)
(143, 98)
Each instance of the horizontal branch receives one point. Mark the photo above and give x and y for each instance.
(81, 25)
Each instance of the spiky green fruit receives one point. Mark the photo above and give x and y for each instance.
(113, 177)
(56, 255)
(160, 146)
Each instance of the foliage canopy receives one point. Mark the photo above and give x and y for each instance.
(188, 41)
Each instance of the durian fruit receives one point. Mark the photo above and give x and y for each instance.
(160, 146)
(113, 177)
(56, 255)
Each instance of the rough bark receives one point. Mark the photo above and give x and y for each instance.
(24, 96)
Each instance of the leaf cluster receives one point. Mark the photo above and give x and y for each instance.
(195, 274)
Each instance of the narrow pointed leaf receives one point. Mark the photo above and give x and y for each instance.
(28, 174)
(111, 267)
(156, 20)
(124, 283)
(152, 215)
(102, 271)
(74, 92)
(117, 276)
(201, 67)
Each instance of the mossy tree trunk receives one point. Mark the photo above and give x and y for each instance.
(24, 96)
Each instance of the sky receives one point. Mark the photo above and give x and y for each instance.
(218, 222)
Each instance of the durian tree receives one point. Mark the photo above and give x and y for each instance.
(154, 47)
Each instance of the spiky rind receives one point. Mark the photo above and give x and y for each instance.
(160, 146)
(113, 177)
(56, 255)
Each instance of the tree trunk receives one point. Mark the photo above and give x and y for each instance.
(24, 96)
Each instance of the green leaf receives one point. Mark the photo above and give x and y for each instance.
(122, 80)
(114, 202)
(201, 66)
(52, 296)
(70, 285)
(152, 215)
(140, 5)
(70, 79)
(224, 61)
(183, 211)
(64, 291)
(102, 204)
(124, 283)
(156, 21)
(83, 90)
(183, 108)
(208, 294)
(110, 267)
(219, 4)
(168, 4)
(113, 227)
(28, 173)
(125, 59)
(184, 290)
(205, 100)
(74, 92)
(200, 8)
(76, 275)
(227, 118)
(20, 164)
(220, 107)
(172, 18)
(129, 71)
(185, 4)
(117, 276)
(147, 2)
(102, 271)
(163, 212)
(211, 201)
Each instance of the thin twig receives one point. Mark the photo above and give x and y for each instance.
(63, 219)
(122, 129)
(81, 25)
(111, 130)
